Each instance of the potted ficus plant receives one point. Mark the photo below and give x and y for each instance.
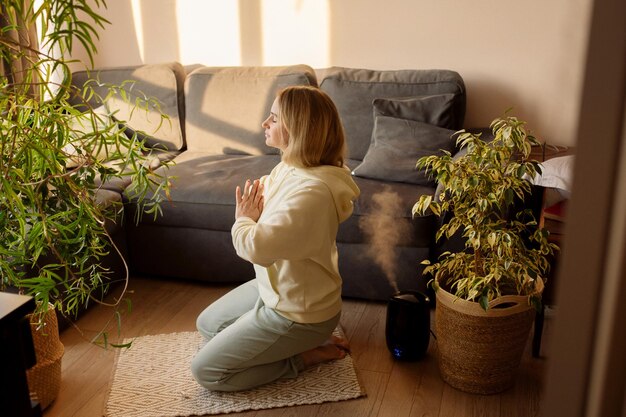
(486, 289)
(55, 156)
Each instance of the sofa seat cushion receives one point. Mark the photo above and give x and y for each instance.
(203, 197)
(154, 160)
(354, 91)
(226, 106)
(203, 188)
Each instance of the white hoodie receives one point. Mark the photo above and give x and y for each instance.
(292, 246)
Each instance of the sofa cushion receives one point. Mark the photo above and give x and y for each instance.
(203, 190)
(396, 146)
(226, 106)
(354, 90)
(436, 110)
(163, 82)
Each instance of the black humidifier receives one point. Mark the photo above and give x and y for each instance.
(408, 325)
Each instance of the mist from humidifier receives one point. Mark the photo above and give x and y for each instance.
(383, 231)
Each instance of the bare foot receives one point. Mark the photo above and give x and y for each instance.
(333, 348)
(340, 342)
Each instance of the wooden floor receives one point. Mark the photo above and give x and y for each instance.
(395, 389)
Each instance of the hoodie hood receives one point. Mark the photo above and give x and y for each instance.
(340, 183)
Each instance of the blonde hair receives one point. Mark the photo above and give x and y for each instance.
(312, 122)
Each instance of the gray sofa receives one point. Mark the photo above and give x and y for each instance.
(216, 142)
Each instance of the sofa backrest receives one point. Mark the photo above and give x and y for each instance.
(225, 106)
(354, 92)
(163, 82)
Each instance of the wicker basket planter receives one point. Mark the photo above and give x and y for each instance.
(480, 351)
(44, 379)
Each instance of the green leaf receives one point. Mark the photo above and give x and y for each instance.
(478, 191)
(127, 345)
(51, 227)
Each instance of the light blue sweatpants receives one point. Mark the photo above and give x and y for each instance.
(250, 344)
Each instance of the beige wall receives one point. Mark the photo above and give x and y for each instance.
(522, 54)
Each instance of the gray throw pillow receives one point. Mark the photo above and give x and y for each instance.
(436, 110)
(396, 146)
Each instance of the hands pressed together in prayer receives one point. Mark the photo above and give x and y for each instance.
(249, 200)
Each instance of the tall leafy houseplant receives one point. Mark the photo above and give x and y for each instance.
(483, 314)
(506, 253)
(55, 157)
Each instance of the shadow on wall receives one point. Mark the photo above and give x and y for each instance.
(141, 32)
(251, 32)
(120, 14)
(214, 33)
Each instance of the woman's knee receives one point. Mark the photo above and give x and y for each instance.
(205, 325)
(206, 375)
(210, 322)
(210, 378)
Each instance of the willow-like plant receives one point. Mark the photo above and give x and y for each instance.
(505, 252)
(56, 155)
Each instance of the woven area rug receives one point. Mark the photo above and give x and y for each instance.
(153, 378)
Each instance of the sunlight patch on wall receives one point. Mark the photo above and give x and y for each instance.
(208, 32)
(137, 20)
(295, 32)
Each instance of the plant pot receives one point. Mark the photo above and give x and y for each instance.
(407, 330)
(44, 379)
(480, 351)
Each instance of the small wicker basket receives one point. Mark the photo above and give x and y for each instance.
(44, 379)
(480, 351)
